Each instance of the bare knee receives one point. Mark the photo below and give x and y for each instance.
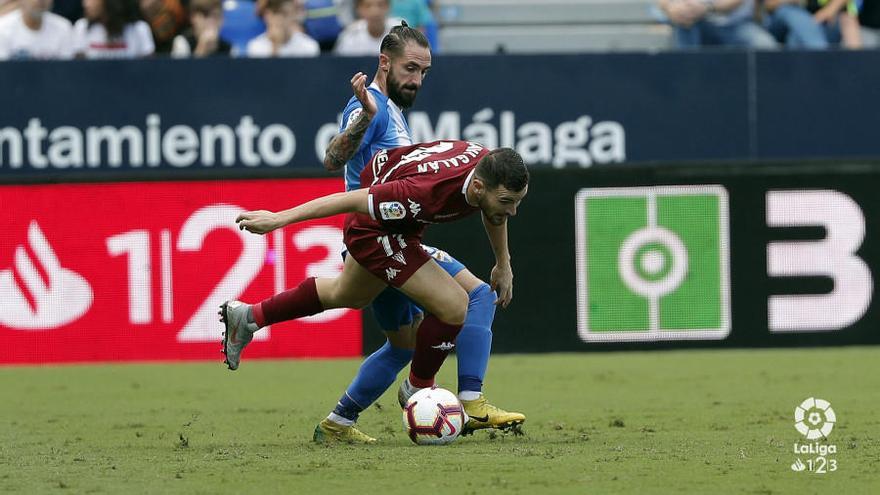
(467, 280)
(453, 311)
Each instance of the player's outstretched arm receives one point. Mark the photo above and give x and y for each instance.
(501, 278)
(263, 221)
(344, 145)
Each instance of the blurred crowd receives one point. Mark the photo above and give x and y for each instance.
(101, 29)
(64, 29)
(773, 24)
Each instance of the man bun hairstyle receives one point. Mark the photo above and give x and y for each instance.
(503, 167)
(394, 42)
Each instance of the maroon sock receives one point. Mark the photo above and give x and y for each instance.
(434, 340)
(289, 305)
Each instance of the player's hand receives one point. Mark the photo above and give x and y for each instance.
(501, 281)
(359, 86)
(258, 222)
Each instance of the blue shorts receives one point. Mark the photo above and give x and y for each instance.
(393, 309)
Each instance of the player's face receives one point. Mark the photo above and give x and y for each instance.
(500, 203)
(406, 73)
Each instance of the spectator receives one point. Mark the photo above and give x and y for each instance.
(322, 22)
(345, 11)
(715, 22)
(364, 36)
(284, 36)
(416, 13)
(790, 23)
(111, 29)
(72, 10)
(242, 22)
(7, 6)
(34, 32)
(166, 19)
(202, 38)
(839, 19)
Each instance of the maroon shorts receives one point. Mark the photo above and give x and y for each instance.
(393, 258)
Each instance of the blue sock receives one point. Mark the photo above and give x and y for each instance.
(376, 374)
(474, 342)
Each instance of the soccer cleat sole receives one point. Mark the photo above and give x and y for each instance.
(514, 427)
(223, 319)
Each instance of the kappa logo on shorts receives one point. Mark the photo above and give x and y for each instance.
(400, 240)
(391, 210)
(399, 258)
(414, 207)
(390, 273)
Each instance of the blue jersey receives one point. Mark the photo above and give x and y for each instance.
(388, 129)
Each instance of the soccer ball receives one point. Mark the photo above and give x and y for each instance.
(433, 416)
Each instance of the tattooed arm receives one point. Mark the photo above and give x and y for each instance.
(344, 145)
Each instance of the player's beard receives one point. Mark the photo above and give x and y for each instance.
(403, 99)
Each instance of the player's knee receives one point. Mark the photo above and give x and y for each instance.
(454, 310)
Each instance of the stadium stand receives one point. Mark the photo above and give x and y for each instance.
(540, 26)
(240, 24)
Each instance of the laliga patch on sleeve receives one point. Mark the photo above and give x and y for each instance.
(353, 116)
(391, 210)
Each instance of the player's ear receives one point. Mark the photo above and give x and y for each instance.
(384, 62)
(479, 186)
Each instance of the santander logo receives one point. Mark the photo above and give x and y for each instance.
(57, 295)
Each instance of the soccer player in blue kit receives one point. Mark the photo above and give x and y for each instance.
(404, 61)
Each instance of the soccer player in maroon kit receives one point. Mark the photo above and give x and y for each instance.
(403, 190)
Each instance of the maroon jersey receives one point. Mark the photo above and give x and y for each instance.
(417, 185)
(409, 188)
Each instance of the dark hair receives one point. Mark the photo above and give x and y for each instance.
(357, 3)
(503, 167)
(272, 6)
(118, 13)
(394, 42)
(204, 7)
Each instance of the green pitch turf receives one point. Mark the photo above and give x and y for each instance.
(663, 422)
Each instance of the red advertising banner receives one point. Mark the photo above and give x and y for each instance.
(137, 271)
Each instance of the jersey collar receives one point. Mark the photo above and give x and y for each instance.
(467, 182)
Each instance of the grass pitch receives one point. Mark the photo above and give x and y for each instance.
(662, 422)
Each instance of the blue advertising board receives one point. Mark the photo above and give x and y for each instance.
(199, 117)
